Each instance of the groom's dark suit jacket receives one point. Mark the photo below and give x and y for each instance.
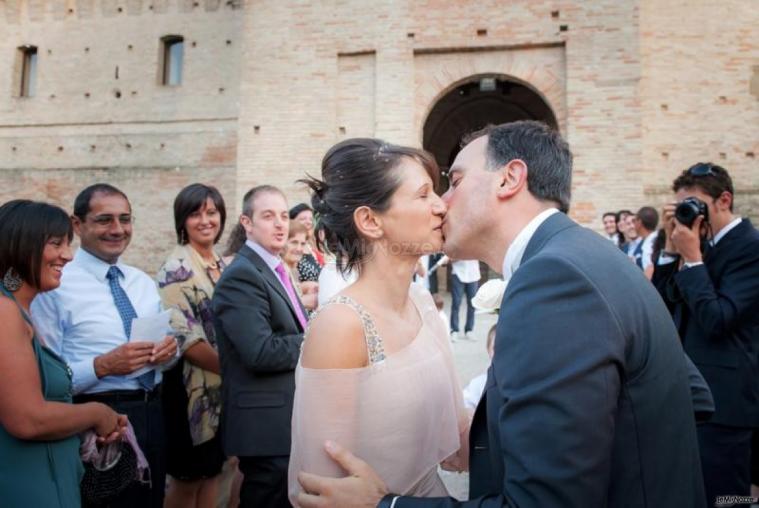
(259, 338)
(587, 402)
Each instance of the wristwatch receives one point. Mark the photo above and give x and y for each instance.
(692, 264)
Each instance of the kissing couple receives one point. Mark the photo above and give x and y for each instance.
(588, 399)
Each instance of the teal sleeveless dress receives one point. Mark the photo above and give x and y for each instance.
(41, 473)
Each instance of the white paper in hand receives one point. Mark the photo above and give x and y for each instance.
(149, 329)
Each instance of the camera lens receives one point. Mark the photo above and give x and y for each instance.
(690, 208)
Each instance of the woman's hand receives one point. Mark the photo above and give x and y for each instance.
(110, 426)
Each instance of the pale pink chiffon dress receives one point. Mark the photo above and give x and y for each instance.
(403, 413)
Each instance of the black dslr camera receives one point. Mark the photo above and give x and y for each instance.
(688, 209)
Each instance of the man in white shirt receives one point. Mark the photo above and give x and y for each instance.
(87, 321)
(465, 279)
(645, 223)
(610, 227)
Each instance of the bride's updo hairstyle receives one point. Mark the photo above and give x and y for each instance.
(358, 172)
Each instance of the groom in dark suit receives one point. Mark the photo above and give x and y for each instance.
(259, 324)
(587, 401)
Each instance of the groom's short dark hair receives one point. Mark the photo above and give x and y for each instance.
(547, 155)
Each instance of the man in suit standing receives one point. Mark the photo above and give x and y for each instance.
(587, 401)
(259, 324)
(708, 275)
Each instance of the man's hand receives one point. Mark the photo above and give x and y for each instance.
(124, 360)
(687, 240)
(362, 488)
(164, 351)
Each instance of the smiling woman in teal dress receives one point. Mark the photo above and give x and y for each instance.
(39, 425)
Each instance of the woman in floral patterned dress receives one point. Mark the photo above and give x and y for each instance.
(191, 389)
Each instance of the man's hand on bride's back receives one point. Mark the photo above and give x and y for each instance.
(361, 488)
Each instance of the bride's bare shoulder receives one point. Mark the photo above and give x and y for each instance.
(335, 340)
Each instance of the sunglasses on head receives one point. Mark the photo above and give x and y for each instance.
(702, 169)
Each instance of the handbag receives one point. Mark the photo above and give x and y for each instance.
(106, 477)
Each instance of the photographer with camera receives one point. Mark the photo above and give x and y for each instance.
(708, 275)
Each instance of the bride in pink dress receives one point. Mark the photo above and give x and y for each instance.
(376, 373)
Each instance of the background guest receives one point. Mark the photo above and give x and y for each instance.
(192, 388)
(296, 245)
(432, 274)
(610, 227)
(332, 281)
(465, 279)
(88, 322)
(624, 224)
(259, 324)
(311, 262)
(39, 445)
(234, 242)
(645, 223)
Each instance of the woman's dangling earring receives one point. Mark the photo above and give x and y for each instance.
(12, 280)
(184, 236)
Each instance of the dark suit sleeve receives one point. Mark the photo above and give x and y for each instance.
(718, 312)
(557, 360)
(663, 280)
(242, 310)
(701, 395)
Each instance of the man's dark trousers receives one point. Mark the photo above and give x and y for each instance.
(264, 482)
(727, 468)
(146, 418)
(458, 289)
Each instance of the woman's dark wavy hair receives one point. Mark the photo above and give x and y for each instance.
(357, 172)
(25, 228)
(190, 200)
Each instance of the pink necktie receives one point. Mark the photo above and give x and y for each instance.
(285, 278)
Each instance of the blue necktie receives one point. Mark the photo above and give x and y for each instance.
(127, 313)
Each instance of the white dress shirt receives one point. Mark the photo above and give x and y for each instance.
(79, 320)
(722, 232)
(648, 249)
(631, 246)
(466, 270)
(514, 253)
(473, 391)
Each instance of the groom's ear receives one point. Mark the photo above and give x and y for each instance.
(512, 178)
(367, 223)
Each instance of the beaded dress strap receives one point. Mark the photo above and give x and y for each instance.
(373, 341)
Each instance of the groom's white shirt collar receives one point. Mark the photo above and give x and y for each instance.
(514, 253)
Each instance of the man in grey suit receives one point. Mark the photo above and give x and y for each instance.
(259, 324)
(587, 401)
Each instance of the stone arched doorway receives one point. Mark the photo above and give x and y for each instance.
(471, 105)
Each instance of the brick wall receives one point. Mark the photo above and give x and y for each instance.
(100, 113)
(641, 89)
